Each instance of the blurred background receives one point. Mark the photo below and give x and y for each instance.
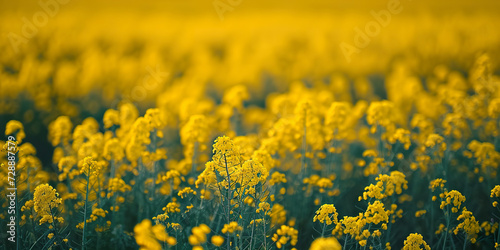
(79, 58)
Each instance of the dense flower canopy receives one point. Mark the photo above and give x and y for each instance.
(233, 124)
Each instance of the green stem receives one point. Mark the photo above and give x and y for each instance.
(447, 227)
(465, 242)
(431, 234)
(228, 211)
(53, 221)
(498, 237)
(304, 149)
(369, 227)
(264, 223)
(17, 212)
(253, 229)
(193, 159)
(265, 234)
(345, 242)
(389, 224)
(388, 233)
(85, 211)
(140, 195)
(201, 209)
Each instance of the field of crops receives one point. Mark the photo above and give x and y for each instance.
(238, 124)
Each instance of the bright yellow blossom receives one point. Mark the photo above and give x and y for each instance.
(415, 241)
(325, 244)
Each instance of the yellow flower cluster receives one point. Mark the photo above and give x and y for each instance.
(96, 213)
(250, 174)
(90, 167)
(66, 169)
(322, 183)
(386, 186)
(326, 213)
(486, 156)
(60, 131)
(277, 178)
(402, 136)
(325, 244)
(194, 135)
(381, 114)
(420, 213)
(437, 183)
(172, 207)
(263, 207)
(436, 143)
(354, 226)
(217, 240)
(113, 150)
(199, 235)
(111, 117)
(338, 121)
(376, 165)
(376, 213)
(148, 237)
(117, 185)
(489, 228)
(284, 235)
(227, 170)
(16, 128)
(231, 228)
(495, 192)
(223, 165)
(46, 200)
(415, 241)
(468, 225)
(453, 198)
(130, 115)
(278, 214)
(185, 192)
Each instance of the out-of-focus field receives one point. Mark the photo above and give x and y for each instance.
(291, 40)
(124, 105)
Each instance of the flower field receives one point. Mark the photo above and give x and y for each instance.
(245, 124)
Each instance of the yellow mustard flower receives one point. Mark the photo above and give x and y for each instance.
(468, 225)
(149, 237)
(415, 241)
(217, 240)
(325, 244)
(16, 128)
(45, 199)
(231, 228)
(284, 235)
(326, 213)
